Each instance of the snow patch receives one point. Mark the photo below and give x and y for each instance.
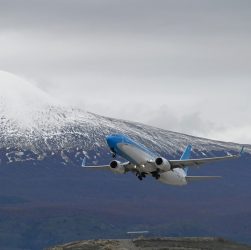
(23, 104)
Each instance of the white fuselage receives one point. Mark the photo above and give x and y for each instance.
(143, 160)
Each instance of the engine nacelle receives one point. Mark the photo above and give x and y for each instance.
(117, 168)
(162, 164)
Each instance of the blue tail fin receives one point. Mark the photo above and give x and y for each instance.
(186, 155)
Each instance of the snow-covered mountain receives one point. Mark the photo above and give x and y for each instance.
(36, 127)
(41, 190)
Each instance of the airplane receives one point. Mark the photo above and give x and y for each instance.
(143, 162)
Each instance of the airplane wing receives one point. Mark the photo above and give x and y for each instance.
(198, 162)
(107, 167)
(98, 167)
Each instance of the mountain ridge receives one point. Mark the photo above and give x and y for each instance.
(83, 132)
(35, 127)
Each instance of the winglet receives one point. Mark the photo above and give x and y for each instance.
(83, 162)
(242, 150)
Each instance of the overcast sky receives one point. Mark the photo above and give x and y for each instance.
(179, 65)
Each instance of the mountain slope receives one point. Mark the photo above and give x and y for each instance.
(36, 127)
(80, 132)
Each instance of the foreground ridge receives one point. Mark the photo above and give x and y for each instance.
(191, 243)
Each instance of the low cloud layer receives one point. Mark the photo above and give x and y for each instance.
(179, 65)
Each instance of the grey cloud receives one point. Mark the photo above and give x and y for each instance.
(190, 123)
(165, 38)
(153, 55)
(148, 16)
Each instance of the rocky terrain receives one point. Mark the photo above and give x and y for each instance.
(192, 243)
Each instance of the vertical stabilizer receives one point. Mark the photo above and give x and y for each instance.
(186, 155)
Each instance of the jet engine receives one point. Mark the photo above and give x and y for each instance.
(116, 167)
(162, 164)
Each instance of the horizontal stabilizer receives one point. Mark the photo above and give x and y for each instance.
(201, 178)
